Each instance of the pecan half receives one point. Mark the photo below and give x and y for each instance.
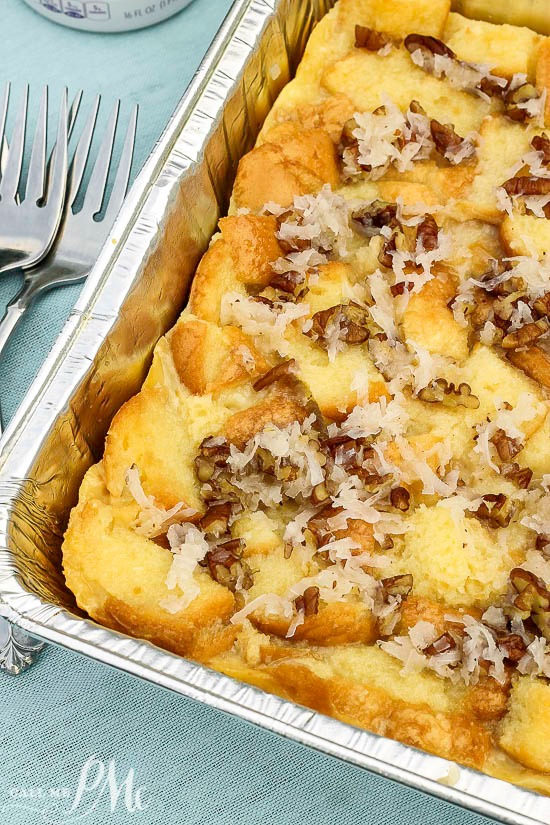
(308, 601)
(440, 391)
(525, 335)
(276, 373)
(496, 509)
(371, 39)
(427, 233)
(442, 644)
(534, 362)
(527, 185)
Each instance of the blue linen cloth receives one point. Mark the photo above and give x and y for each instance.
(69, 719)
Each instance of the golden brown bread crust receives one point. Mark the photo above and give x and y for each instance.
(334, 624)
(203, 385)
(252, 245)
(292, 161)
(208, 359)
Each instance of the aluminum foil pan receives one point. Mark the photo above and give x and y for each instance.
(100, 359)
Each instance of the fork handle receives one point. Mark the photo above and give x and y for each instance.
(13, 314)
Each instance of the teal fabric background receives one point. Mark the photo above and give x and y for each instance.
(198, 766)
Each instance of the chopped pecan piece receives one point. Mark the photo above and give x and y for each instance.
(416, 108)
(493, 86)
(385, 257)
(320, 493)
(525, 335)
(398, 585)
(372, 217)
(352, 320)
(442, 644)
(527, 185)
(533, 599)
(294, 244)
(427, 233)
(226, 567)
(308, 601)
(292, 283)
(400, 498)
(534, 362)
(496, 509)
(347, 138)
(319, 528)
(519, 475)
(447, 142)
(513, 647)
(506, 447)
(215, 521)
(541, 143)
(427, 45)
(401, 288)
(515, 97)
(278, 372)
(213, 453)
(542, 304)
(441, 391)
(371, 39)
(344, 450)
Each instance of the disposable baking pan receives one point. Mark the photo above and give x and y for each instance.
(131, 298)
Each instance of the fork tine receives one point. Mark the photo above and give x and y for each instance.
(73, 111)
(95, 190)
(3, 116)
(57, 183)
(37, 164)
(10, 181)
(120, 184)
(81, 152)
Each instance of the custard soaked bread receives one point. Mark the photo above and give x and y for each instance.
(334, 481)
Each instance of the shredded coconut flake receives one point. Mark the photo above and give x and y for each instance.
(188, 546)
(152, 518)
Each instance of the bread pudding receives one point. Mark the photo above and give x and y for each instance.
(334, 483)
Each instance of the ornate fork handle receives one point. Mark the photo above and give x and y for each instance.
(18, 650)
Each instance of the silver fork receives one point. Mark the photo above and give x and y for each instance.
(29, 222)
(76, 247)
(80, 236)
